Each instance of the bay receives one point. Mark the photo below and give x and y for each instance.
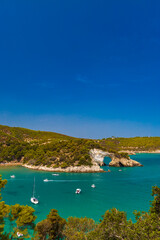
(126, 190)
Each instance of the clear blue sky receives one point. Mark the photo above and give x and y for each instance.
(86, 68)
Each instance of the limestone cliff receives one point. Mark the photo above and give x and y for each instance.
(98, 155)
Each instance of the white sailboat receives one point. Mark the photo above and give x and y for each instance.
(33, 199)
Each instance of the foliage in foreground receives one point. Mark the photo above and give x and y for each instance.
(51, 227)
(114, 224)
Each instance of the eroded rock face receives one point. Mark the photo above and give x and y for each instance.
(123, 162)
(98, 155)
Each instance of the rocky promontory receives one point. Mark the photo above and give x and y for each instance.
(73, 169)
(97, 158)
(124, 162)
(98, 155)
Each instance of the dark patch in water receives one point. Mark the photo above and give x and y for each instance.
(12, 193)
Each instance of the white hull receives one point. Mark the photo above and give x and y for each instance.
(12, 176)
(45, 180)
(34, 200)
(78, 191)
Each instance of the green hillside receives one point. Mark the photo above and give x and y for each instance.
(27, 135)
(43, 148)
(58, 150)
(135, 144)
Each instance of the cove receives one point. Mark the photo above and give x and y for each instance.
(126, 190)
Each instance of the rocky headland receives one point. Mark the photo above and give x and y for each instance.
(98, 156)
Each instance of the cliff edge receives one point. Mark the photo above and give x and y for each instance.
(98, 155)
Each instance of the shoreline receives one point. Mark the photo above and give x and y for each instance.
(76, 169)
(11, 164)
(130, 152)
(95, 168)
(156, 151)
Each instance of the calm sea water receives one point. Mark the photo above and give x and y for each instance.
(125, 190)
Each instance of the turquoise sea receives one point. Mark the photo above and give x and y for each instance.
(125, 190)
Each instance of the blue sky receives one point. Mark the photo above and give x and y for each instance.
(86, 68)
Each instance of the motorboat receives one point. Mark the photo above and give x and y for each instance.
(46, 180)
(33, 199)
(120, 170)
(78, 191)
(19, 234)
(93, 186)
(55, 174)
(12, 176)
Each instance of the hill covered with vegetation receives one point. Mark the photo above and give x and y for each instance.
(44, 148)
(58, 150)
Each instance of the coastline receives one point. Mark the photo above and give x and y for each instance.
(76, 169)
(95, 168)
(156, 151)
(133, 152)
(11, 164)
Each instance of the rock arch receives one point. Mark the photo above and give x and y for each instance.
(98, 155)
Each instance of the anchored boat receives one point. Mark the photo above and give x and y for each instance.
(12, 176)
(33, 199)
(78, 191)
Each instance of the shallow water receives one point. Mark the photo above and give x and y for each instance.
(126, 190)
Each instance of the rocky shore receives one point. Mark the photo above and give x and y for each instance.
(97, 157)
(123, 162)
(133, 152)
(75, 169)
(5, 164)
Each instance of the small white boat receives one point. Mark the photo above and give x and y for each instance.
(19, 234)
(93, 186)
(120, 170)
(55, 174)
(33, 199)
(46, 180)
(12, 176)
(78, 191)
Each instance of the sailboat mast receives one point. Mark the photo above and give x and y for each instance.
(34, 187)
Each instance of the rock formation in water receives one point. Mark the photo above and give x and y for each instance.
(98, 155)
(124, 162)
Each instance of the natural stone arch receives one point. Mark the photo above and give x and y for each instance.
(98, 155)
